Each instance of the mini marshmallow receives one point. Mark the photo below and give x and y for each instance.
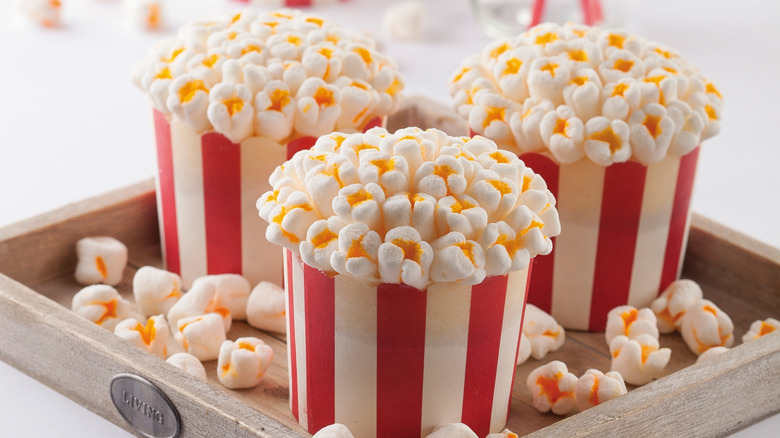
(391, 173)
(100, 260)
(438, 178)
(457, 259)
(404, 20)
(275, 109)
(563, 133)
(495, 195)
(705, 326)
(359, 203)
(144, 14)
(101, 304)
(711, 353)
(317, 107)
(266, 308)
(651, 133)
(631, 322)
(638, 360)
(671, 305)
(452, 430)
(201, 299)
(504, 249)
(188, 99)
(491, 115)
(230, 110)
(416, 210)
(43, 12)
(189, 364)
(334, 431)
(606, 141)
(357, 251)
(321, 241)
(288, 222)
(543, 332)
(404, 258)
(201, 335)
(595, 387)
(243, 363)
(232, 293)
(552, 387)
(152, 336)
(760, 328)
(156, 290)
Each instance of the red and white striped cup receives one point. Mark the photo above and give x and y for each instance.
(393, 361)
(207, 190)
(624, 230)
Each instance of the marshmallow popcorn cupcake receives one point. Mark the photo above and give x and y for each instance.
(406, 266)
(612, 122)
(234, 97)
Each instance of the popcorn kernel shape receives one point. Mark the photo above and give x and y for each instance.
(156, 290)
(760, 328)
(552, 387)
(705, 325)
(638, 360)
(595, 387)
(151, 336)
(671, 305)
(242, 363)
(630, 322)
(189, 364)
(200, 300)
(543, 332)
(231, 293)
(265, 309)
(201, 336)
(101, 304)
(100, 260)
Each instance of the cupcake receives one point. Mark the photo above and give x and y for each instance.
(612, 122)
(407, 258)
(234, 97)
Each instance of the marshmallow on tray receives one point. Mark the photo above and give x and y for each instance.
(100, 260)
(711, 353)
(705, 325)
(156, 290)
(671, 305)
(243, 363)
(452, 430)
(404, 20)
(232, 292)
(595, 387)
(542, 331)
(552, 387)
(101, 304)
(143, 14)
(638, 360)
(43, 12)
(199, 300)
(337, 430)
(202, 336)
(760, 328)
(506, 433)
(265, 308)
(152, 336)
(189, 364)
(630, 322)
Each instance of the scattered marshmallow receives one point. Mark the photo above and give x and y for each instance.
(144, 14)
(506, 433)
(595, 387)
(334, 431)
(100, 260)
(630, 322)
(705, 325)
(101, 304)
(232, 292)
(243, 363)
(760, 328)
(265, 309)
(452, 430)
(638, 360)
(156, 290)
(189, 364)
(711, 353)
(543, 332)
(43, 12)
(202, 336)
(552, 387)
(152, 336)
(671, 305)
(201, 299)
(405, 20)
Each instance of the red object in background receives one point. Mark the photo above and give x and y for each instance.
(591, 11)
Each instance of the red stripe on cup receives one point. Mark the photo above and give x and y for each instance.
(621, 207)
(222, 203)
(680, 208)
(400, 360)
(299, 144)
(319, 296)
(298, 3)
(373, 123)
(522, 319)
(541, 285)
(162, 131)
(486, 319)
(293, 364)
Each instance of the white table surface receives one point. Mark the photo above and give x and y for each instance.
(73, 126)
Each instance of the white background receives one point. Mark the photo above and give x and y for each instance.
(73, 126)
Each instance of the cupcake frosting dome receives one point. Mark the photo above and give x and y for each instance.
(585, 92)
(414, 207)
(280, 75)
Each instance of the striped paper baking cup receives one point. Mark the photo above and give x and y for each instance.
(393, 361)
(624, 230)
(207, 191)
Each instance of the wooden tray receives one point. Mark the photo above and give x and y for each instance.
(41, 336)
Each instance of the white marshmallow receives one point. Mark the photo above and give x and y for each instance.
(232, 293)
(404, 20)
(201, 299)
(547, 77)
(630, 322)
(188, 99)
(359, 203)
(552, 387)
(461, 214)
(441, 177)
(595, 387)
(495, 195)
(321, 241)
(563, 133)
(43, 12)
(405, 258)
(506, 433)
(201, 335)
(583, 93)
(638, 360)
(760, 328)
(266, 308)
(156, 290)
(414, 210)
(357, 252)
(101, 304)
(317, 107)
(100, 260)
(490, 116)
(143, 14)
(671, 305)
(275, 110)
(651, 133)
(705, 326)
(457, 259)
(152, 337)
(289, 222)
(711, 353)
(542, 331)
(452, 430)
(391, 173)
(189, 364)
(334, 431)
(525, 123)
(230, 110)
(606, 141)
(243, 363)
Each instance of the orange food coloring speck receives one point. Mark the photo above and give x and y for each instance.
(501, 186)
(324, 97)
(513, 66)
(100, 264)
(359, 197)
(550, 387)
(546, 38)
(623, 65)
(492, 115)
(190, 89)
(495, 53)
(579, 80)
(324, 238)
(147, 332)
(364, 53)
(499, 157)
(468, 249)
(412, 250)
(550, 67)
(651, 123)
(109, 312)
(279, 99)
(608, 136)
(233, 105)
(629, 318)
(578, 55)
(356, 249)
(616, 40)
(765, 329)
(593, 399)
(560, 127)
